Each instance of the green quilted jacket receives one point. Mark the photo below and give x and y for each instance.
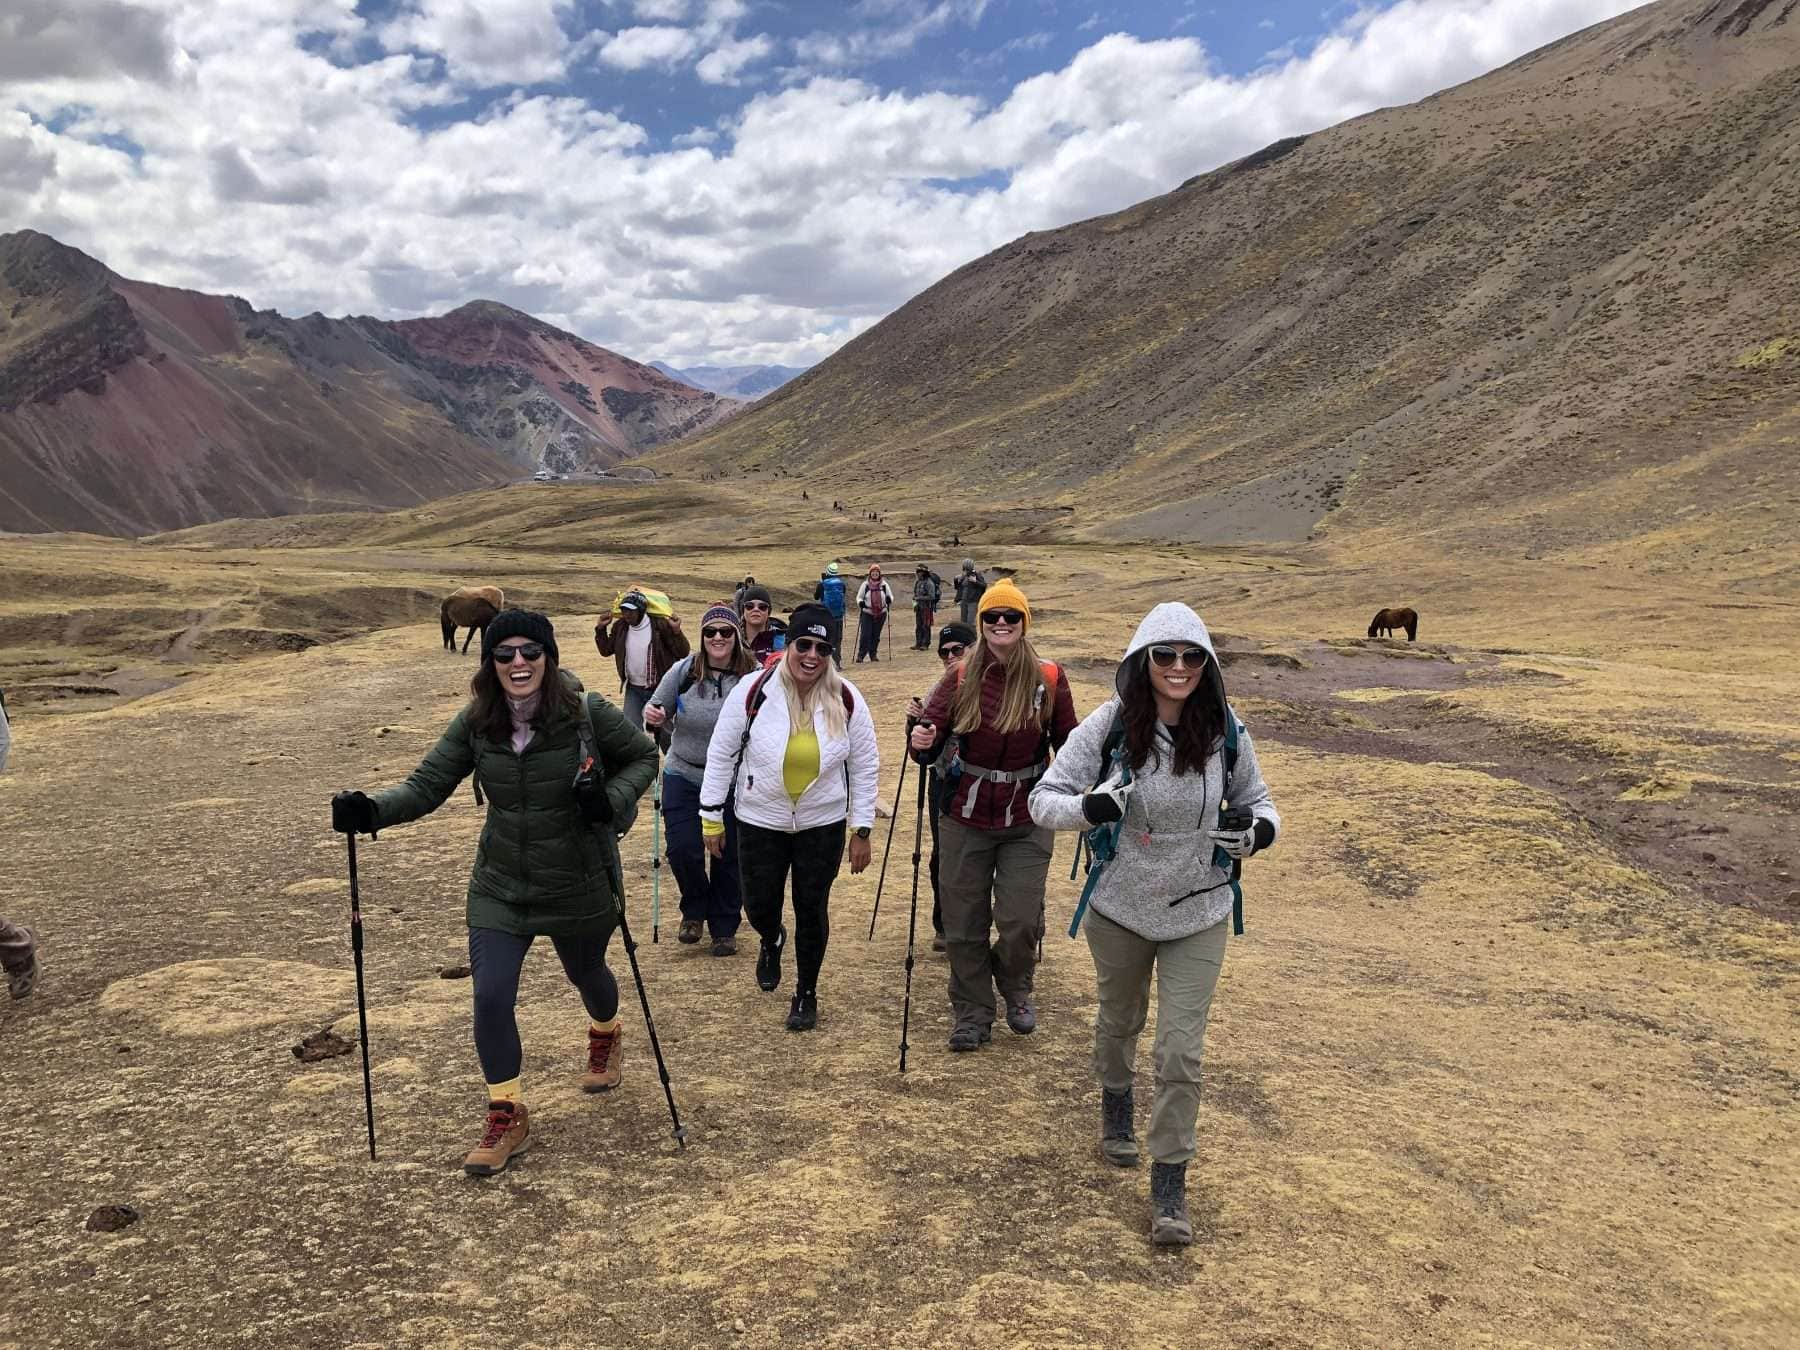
(539, 869)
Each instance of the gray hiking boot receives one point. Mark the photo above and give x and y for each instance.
(21, 978)
(1118, 1145)
(1169, 1225)
(969, 1036)
(1020, 1015)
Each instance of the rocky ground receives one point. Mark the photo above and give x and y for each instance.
(1507, 1055)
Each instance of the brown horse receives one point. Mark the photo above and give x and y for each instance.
(1390, 619)
(472, 607)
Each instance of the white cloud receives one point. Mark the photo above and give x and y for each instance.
(299, 179)
(906, 23)
(660, 11)
(723, 64)
(655, 45)
(486, 42)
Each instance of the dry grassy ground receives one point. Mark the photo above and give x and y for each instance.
(1490, 1066)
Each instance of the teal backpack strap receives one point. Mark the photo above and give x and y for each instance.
(1101, 842)
(1220, 857)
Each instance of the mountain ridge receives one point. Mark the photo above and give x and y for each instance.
(745, 382)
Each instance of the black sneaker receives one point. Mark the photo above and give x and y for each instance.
(803, 1014)
(966, 1036)
(768, 962)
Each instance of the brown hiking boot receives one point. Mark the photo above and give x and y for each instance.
(506, 1134)
(606, 1067)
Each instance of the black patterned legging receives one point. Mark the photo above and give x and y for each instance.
(765, 857)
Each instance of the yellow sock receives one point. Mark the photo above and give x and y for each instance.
(504, 1092)
(605, 1028)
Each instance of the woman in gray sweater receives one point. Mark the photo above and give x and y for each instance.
(1161, 760)
(681, 713)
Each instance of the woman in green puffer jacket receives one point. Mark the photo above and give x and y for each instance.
(548, 861)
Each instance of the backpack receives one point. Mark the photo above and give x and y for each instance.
(832, 591)
(753, 702)
(1102, 841)
(584, 730)
(954, 766)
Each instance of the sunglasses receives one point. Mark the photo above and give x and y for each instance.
(755, 604)
(952, 651)
(718, 632)
(808, 646)
(1191, 658)
(1007, 616)
(505, 656)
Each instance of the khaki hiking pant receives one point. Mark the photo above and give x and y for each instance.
(991, 880)
(1186, 971)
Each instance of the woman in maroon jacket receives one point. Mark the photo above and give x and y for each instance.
(996, 715)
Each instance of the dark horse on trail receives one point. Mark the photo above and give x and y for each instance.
(1389, 619)
(472, 607)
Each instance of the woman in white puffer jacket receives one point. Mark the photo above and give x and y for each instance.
(1155, 760)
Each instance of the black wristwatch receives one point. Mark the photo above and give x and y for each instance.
(861, 832)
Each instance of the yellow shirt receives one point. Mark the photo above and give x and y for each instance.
(800, 767)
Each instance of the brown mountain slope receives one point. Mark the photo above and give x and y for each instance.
(127, 407)
(1564, 290)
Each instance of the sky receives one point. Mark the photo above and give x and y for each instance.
(701, 181)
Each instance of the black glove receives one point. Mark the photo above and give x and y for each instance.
(591, 799)
(353, 813)
(1101, 808)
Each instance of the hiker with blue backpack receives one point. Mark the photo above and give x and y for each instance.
(830, 593)
(682, 713)
(794, 751)
(1164, 780)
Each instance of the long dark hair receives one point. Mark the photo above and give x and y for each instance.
(1202, 719)
(489, 716)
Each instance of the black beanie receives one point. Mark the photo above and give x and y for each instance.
(956, 632)
(758, 593)
(810, 619)
(518, 623)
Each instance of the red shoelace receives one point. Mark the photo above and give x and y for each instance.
(498, 1123)
(600, 1048)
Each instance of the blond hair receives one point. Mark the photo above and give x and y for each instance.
(826, 696)
(1019, 699)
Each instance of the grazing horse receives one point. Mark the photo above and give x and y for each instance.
(472, 607)
(1390, 619)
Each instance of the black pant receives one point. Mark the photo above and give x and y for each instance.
(869, 638)
(931, 806)
(711, 896)
(836, 638)
(764, 859)
(495, 959)
(922, 626)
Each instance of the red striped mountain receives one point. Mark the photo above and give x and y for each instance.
(127, 407)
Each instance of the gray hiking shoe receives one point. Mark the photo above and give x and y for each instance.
(1021, 1016)
(1118, 1145)
(1169, 1225)
(969, 1036)
(22, 979)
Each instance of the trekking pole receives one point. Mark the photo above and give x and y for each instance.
(912, 921)
(656, 861)
(893, 820)
(362, 1007)
(662, 1069)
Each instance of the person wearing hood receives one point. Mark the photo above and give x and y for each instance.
(1160, 906)
(874, 598)
(969, 586)
(643, 645)
(548, 862)
(992, 721)
(764, 633)
(830, 593)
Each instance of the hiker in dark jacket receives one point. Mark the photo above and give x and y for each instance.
(1160, 905)
(764, 633)
(925, 596)
(993, 720)
(874, 598)
(684, 709)
(18, 949)
(643, 646)
(548, 862)
(953, 642)
(737, 597)
(969, 587)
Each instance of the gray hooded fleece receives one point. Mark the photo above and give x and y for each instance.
(1163, 884)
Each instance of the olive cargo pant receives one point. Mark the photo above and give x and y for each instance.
(990, 880)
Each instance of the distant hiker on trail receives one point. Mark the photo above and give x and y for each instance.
(763, 632)
(830, 593)
(953, 642)
(1161, 760)
(925, 596)
(643, 643)
(874, 598)
(994, 719)
(797, 746)
(969, 587)
(548, 863)
(737, 598)
(18, 949)
(687, 704)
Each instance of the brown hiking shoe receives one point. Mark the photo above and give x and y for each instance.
(506, 1134)
(606, 1066)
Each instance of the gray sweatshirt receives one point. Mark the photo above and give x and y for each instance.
(694, 715)
(1164, 854)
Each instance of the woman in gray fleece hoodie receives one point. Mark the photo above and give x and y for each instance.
(1160, 906)
(682, 711)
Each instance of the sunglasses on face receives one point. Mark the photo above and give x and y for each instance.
(1191, 658)
(505, 656)
(756, 604)
(808, 646)
(718, 632)
(952, 651)
(1013, 617)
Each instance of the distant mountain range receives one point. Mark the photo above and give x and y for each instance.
(742, 382)
(127, 407)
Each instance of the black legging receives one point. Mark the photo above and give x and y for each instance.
(495, 959)
(868, 637)
(765, 858)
